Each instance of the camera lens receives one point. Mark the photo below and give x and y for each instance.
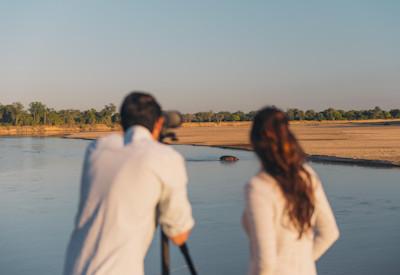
(173, 119)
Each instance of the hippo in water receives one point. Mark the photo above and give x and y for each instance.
(228, 158)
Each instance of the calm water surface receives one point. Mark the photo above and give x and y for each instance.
(39, 183)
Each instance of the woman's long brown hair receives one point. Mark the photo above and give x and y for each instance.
(283, 158)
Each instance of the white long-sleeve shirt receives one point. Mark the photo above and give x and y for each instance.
(275, 248)
(125, 179)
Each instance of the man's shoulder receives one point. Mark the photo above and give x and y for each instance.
(106, 142)
(169, 164)
(164, 152)
(110, 141)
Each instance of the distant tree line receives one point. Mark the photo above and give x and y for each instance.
(296, 114)
(38, 113)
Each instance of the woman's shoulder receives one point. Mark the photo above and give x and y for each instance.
(310, 170)
(262, 182)
(313, 176)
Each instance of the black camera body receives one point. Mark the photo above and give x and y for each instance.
(172, 120)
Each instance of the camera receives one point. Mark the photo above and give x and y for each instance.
(172, 120)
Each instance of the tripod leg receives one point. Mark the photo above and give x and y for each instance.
(185, 251)
(165, 258)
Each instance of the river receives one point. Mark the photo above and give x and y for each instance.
(39, 184)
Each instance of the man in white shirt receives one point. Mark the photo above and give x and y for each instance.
(129, 184)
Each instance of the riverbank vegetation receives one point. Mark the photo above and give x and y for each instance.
(297, 114)
(38, 114)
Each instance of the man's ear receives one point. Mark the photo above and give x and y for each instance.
(158, 126)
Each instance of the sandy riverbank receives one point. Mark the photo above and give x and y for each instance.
(373, 143)
(44, 131)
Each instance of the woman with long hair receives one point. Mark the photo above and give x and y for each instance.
(287, 216)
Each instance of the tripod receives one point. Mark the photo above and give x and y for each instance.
(165, 257)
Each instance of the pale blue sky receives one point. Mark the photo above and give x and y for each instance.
(202, 55)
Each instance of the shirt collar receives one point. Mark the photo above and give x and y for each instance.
(136, 133)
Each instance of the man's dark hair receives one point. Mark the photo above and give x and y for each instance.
(140, 108)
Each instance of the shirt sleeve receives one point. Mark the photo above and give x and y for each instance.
(259, 224)
(175, 212)
(326, 229)
(85, 180)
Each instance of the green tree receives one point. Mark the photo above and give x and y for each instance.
(7, 114)
(227, 115)
(291, 113)
(54, 118)
(17, 109)
(209, 116)
(295, 114)
(251, 115)
(235, 117)
(395, 113)
(12, 113)
(320, 116)
(105, 115)
(116, 118)
(37, 110)
(351, 115)
(332, 114)
(377, 113)
(220, 116)
(70, 116)
(242, 116)
(89, 116)
(310, 115)
(1, 112)
(299, 115)
(26, 118)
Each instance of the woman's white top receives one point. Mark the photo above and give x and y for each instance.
(275, 247)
